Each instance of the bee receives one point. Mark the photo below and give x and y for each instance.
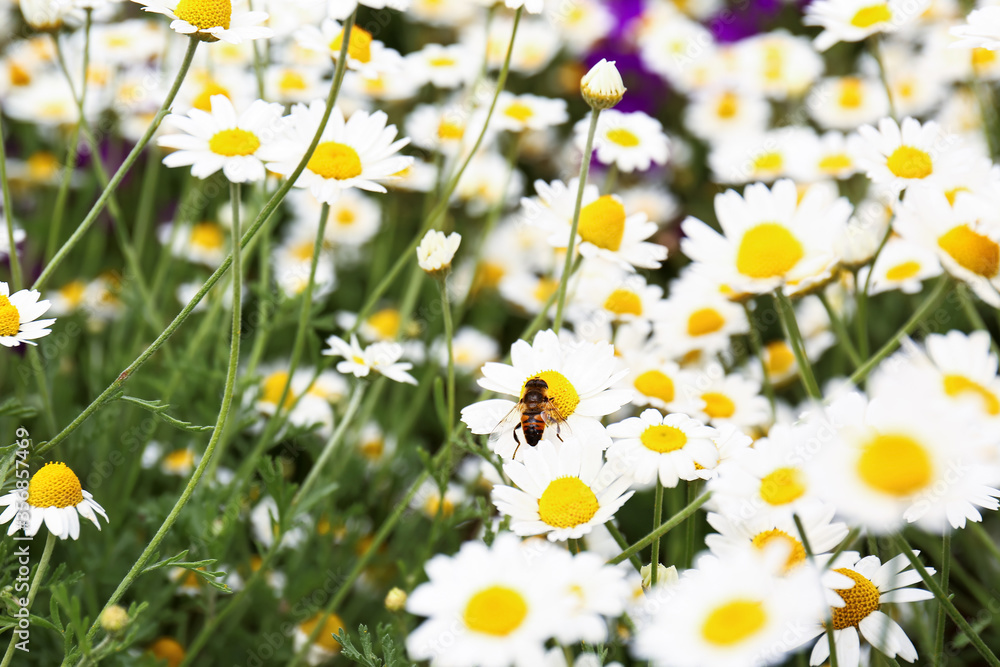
(532, 414)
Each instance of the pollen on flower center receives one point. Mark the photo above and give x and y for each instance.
(972, 250)
(497, 610)
(768, 162)
(663, 439)
(624, 302)
(335, 160)
(768, 250)
(866, 17)
(358, 48)
(602, 223)
(718, 406)
(910, 162)
(450, 130)
(835, 163)
(860, 600)
(623, 137)
(561, 391)
(782, 486)
(895, 464)
(205, 14)
(851, 93)
(728, 105)
(734, 622)
(567, 502)
(656, 384)
(779, 357)
(956, 385)
(796, 550)
(10, 318)
(55, 485)
(903, 270)
(704, 321)
(234, 142)
(386, 322)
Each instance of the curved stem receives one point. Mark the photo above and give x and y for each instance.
(662, 529)
(36, 584)
(570, 244)
(838, 327)
(786, 312)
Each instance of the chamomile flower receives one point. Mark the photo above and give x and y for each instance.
(854, 20)
(430, 502)
(55, 497)
(517, 113)
(654, 378)
(211, 20)
(981, 30)
(670, 448)
(366, 55)
(325, 646)
(845, 102)
(579, 376)
(632, 141)
(202, 242)
(859, 613)
(561, 494)
(757, 157)
(698, 318)
(19, 313)
(903, 154)
(723, 113)
(445, 67)
(358, 153)
(902, 265)
(830, 156)
(713, 396)
(382, 358)
(772, 238)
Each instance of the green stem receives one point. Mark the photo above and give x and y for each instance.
(875, 43)
(36, 584)
(689, 529)
(758, 350)
(654, 558)
(841, 330)
(122, 170)
(663, 529)
(942, 596)
(595, 114)
(449, 333)
(787, 314)
(623, 544)
(828, 621)
(861, 323)
(8, 214)
(941, 613)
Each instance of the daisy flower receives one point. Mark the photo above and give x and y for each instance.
(579, 376)
(210, 20)
(826, 157)
(325, 647)
(359, 153)
(724, 113)
(715, 397)
(845, 102)
(561, 494)
(902, 265)
(436, 250)
(904, 154)
(517, 113)
(981, 30)
(757, 157)
(221, 139)
(771, 239)
(670, 448)
(366, 55)
(19, 313)
(202, 242)
(446, 67)
(632, 141)
(698, 318)
(653, 377)
(854, 20)
(54, 496)
(381, 357)
(858, 613)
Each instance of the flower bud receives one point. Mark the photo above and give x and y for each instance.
(602, 86)
(395, 600)
(435, 252)
(114, 619)
(664, 575)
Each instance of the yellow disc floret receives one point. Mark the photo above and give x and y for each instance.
(272, 387)
(957, 385)
(866, 17)
(895, 464)
(656, 384)
(768, 250)
(903, 270)
(624, 302)
(567, 502)
(207, 235)
(55, 485)
(10, 318)
(234, 142)
(331, 626)
(205, 14)
(718, 405)
(973, 251)
(704, 321)
(519, 111)
(561, 391)
(860, 600)
(602, 223)
(335, 160)
(662, 438)
(733, 622)
(497, 611)
(782, 486)
(796, 550)
(359, 48)
(623, 137)
(910, 162)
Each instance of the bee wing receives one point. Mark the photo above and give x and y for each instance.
(554, 418)
(507, 423)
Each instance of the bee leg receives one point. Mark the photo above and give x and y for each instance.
(514, 455)
(557, 433)
(514, 433)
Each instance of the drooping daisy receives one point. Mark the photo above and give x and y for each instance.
(359, 153)
(238, 145)
(19, 313)
(853, 20)
(859, 613)
(771, 238)
(561, 494)
(366, 55)
(670, 448)
(632, 141)
(579, 376)
(382, 358)
(211, 20)
(54, 496)
(517, 113)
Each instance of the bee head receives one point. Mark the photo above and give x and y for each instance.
(538, 384)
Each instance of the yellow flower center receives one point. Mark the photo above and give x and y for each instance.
(895, 464)
(910, 162)
(663, 439)
(734, 622)
(169, 649)
(950, 195)
(42, 165)
(624, 302)
(561, 391)
(372, 449)
(178, 460)
(544, 290)
(851, 93)
(835, 163)
(519, 111)
(10, 319)
(335, 160)
(796, 550)
(903, 270)
(234, 142)
(768, 162)
(55, 485)
(768, 250)
(982, 58)
(359, 48)
(72, 292)
(497, 610)
(704, 321)
(272, 387)
(779, 357)
(203, 100)
(728, 106)
(774, 62)
(868, 16)
(331, 626)
(567, 502)
(205, 14)
(956, 385)
(973, 251)
(386, 323)
(656, 384)
(18, 75)
(435, 504)
(344, 217)
(442, 61)
(860, 600)
(207, 235)
(450, 130)
(602, 223)
(623, 137)
(718, 406)
(782, 486)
